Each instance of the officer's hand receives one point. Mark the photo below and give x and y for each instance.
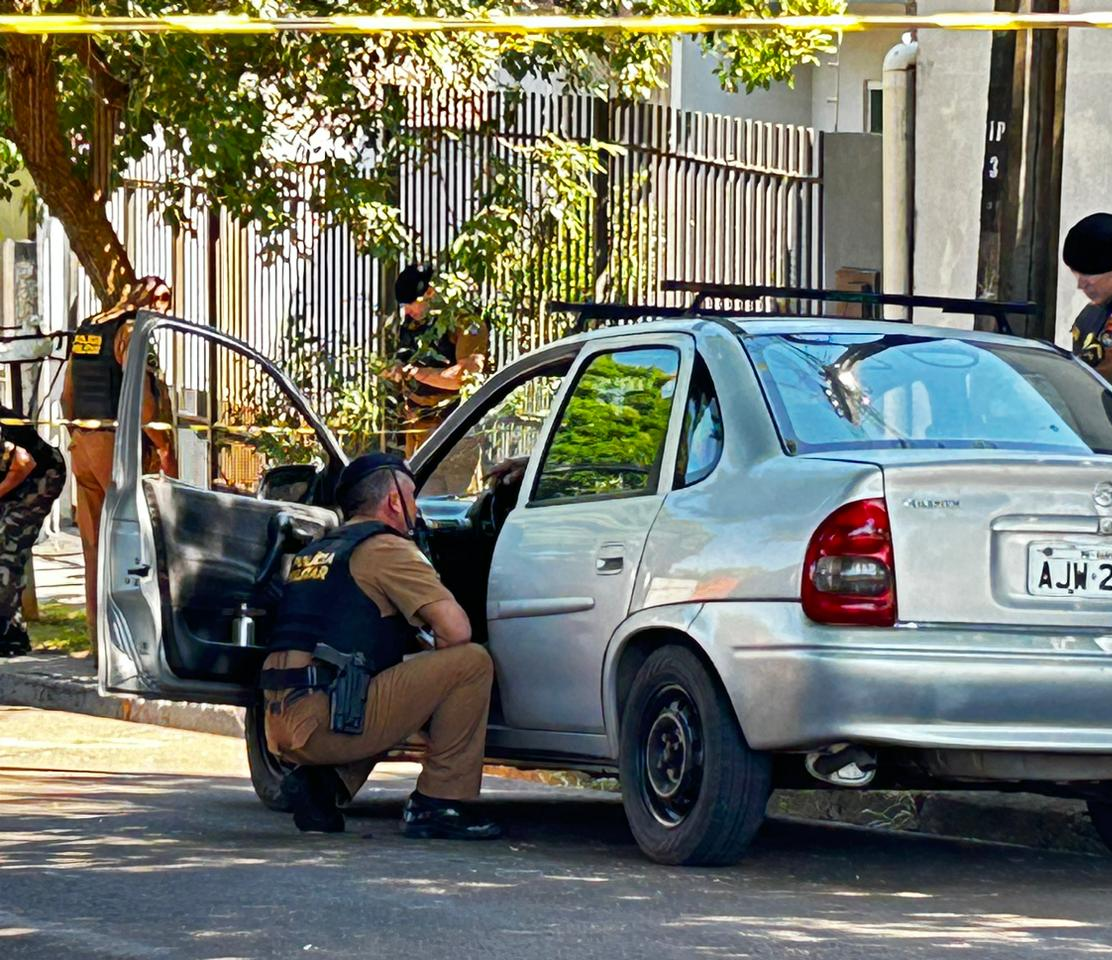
(168, 463)
(473, 363)
(1091, 351)
(508, 471)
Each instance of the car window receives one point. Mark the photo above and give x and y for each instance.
(232, 421)
(610, 438)
(701, 436)
(854, 391)
(507, 430)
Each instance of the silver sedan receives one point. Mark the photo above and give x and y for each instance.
(721, 555)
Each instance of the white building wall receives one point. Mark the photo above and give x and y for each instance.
(14, 219)
(700, 89)
(1087, 146)
(950, 114)
(839, 82)
(829, 96)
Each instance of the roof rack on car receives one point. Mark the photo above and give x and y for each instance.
(997, 309)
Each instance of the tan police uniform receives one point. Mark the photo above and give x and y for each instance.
(448, 690)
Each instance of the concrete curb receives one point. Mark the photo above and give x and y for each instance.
(1046, 823)
(1023, 819)
(59, 691)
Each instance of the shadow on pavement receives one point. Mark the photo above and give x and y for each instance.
(194, 867)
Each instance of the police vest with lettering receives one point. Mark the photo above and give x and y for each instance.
(97, 375)
(322, 603)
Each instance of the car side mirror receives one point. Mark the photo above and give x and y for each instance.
(290, 483)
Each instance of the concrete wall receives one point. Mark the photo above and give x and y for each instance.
(699, 89)
(1087, 146)
(952, 92)
(851, 200)
(950, 115)
(839, 82)
(13, 215)
(829, 96)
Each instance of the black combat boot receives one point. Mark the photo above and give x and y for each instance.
(14, 641)
(429, 818)
(311, 793)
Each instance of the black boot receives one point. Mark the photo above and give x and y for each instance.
(14, 641)
(429, 818)
(311, 793)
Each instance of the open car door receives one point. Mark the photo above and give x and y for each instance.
(188, 568)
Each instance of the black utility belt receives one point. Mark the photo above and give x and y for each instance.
(345, 676)
(313, 677)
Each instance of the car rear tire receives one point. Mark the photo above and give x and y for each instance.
(267, 771)
(693, 790)
(1100, 813)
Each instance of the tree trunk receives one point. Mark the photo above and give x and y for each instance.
(36, 131)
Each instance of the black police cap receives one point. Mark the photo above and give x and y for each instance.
(412, 283)
(364, 466)
(1088, 246)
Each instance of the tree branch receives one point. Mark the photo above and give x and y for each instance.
(36, 132)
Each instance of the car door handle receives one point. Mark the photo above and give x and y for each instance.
(141, 571)
(610, 559)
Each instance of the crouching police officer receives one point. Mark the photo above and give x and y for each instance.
(338, 694)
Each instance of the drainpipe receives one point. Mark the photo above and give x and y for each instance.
(899, 171)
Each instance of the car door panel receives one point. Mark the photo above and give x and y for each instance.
(549, 619)
(176, 560)
(563, 573)
(211, 548)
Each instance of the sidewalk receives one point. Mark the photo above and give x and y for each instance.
(60, 570)
(58, 681)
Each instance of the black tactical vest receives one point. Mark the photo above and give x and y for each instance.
(322, 603)
(96, 374)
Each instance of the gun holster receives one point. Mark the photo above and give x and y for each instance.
(347, 693)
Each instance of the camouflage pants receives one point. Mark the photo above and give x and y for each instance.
(21, 515)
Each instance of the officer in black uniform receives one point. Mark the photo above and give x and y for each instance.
(338, 693)
(1088, 253)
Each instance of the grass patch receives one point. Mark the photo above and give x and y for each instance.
(60, 627)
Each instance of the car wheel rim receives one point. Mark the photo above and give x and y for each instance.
(672, 770)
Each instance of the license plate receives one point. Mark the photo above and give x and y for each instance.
(1067, 570)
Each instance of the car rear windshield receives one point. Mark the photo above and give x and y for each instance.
(848, 391)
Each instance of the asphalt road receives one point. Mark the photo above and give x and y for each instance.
(119, 840)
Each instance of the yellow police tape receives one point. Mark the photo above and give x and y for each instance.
(536, 23)
(238, 430)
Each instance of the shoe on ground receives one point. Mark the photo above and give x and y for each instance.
(429, 818)
(14, 641)
(311, 793)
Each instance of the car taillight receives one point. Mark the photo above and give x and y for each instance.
(848, 575)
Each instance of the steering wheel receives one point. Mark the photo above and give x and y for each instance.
(480, 515)
(492, 506)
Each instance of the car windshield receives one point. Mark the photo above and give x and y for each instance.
(848, 391)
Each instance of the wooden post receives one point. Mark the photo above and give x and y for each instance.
(30, 601)
(1003, 133)
(1022, 177)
